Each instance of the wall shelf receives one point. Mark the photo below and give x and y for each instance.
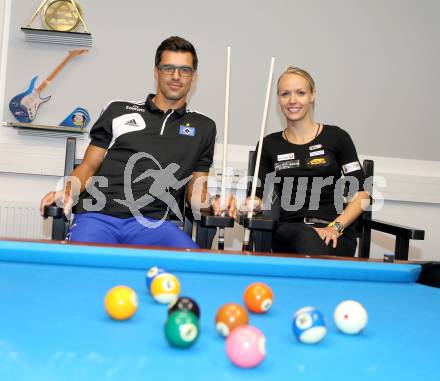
(46, 130)
(57, 37)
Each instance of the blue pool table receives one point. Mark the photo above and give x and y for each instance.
(53, 325)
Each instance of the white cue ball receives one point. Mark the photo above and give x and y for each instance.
(350, 317)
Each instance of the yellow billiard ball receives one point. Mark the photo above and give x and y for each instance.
(121, 302)
(165, 288)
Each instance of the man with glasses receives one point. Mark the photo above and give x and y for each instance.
(141, 157)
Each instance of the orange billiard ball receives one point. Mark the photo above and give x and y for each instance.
(230, 316)
(121, 302)
(258, 297)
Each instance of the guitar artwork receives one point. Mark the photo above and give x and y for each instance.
(24, 106)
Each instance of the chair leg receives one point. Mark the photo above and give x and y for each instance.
(401, 248)
(263, 241)
(59, 229)
(267, 241)
(364, 243)
(251, 246)
(205, 236)
(187, 226)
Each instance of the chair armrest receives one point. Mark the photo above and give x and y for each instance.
(258, 222)
(430, 274)
(208, 220)
(53, 211)
(394, 229)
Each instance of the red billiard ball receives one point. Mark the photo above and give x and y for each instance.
(258, 297)
(230, 316)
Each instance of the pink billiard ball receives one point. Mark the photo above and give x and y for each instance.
(246, 346)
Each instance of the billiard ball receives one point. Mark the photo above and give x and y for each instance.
(350, 317)
(246, 346)
(165, 288)
(184, 303)
(258, 297)
(182, 329)
(230, 316)
(309, 325)
(121, 302)
(152, 273)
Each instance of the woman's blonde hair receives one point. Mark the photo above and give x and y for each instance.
(300, 72)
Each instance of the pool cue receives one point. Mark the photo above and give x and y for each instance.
(221, 232)
(247, 232)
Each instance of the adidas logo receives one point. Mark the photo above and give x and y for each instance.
(131, 122)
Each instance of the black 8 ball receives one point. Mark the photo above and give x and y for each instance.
(185, 304)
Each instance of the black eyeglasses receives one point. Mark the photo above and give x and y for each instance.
(184, 71)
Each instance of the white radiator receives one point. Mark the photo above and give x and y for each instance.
(22, 220)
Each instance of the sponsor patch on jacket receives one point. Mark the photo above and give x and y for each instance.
(317, 161)
(351, 167)
(286, 165)
(317, 146)
(286, 156)
(317, 153)
(187, 130)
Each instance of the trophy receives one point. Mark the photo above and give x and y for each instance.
(61, 20)
(62, 15)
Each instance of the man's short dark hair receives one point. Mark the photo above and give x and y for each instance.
(176, 44)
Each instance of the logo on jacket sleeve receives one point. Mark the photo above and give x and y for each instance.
(187, 130)
(351, 167)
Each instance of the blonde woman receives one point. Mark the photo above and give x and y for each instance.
(308, 159)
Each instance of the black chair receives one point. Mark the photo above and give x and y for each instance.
(262, 225)
(206, 225)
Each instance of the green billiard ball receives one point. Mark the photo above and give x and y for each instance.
(182, 329)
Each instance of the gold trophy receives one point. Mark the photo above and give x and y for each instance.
(61, 15)
(62, 18)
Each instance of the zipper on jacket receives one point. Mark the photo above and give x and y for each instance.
(165, 121)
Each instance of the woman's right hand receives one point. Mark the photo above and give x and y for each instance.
(246, 206)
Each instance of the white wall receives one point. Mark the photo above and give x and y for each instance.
(4, 38)
(377, 72)
(376, 63)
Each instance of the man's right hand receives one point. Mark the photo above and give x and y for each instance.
(63, 199)
(76, 182)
